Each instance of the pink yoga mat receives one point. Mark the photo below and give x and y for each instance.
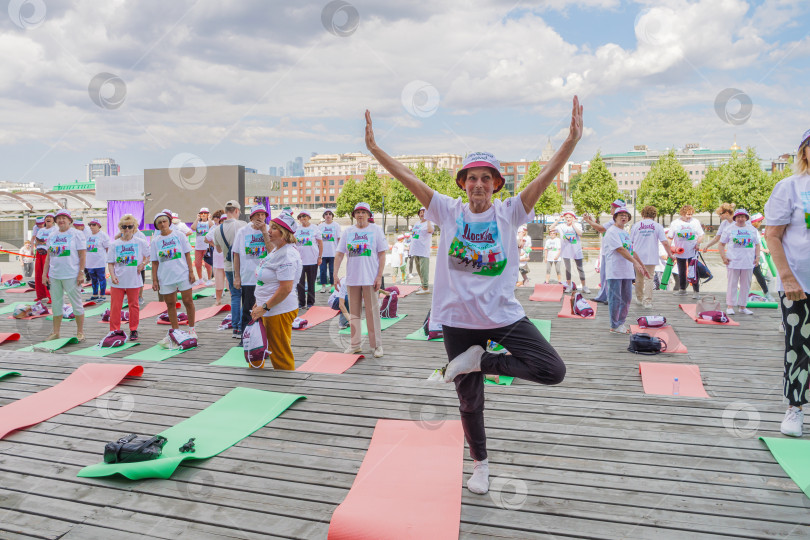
(659, 379)
(667, 333)
(19, 290)
(6, 277)
(207, 313)
(153, 309)
(9, 336)
(689, 309)
(89, 381)
(566, 313)
(419, 500)
(545, 292)
(329, 362)
(316, 315)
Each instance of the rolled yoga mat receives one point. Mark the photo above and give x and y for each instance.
(667, 273)
(384, 323)
(793, 455)
(768, 258)
(89, 381)
(237, 415)
(420, 500)
(770, 305)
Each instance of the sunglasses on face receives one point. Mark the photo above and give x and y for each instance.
(127, 227)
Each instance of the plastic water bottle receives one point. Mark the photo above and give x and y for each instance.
(676, 387)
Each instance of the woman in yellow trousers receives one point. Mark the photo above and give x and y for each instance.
(276, 298)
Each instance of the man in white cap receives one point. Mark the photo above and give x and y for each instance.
(224, 238)
(202, 224)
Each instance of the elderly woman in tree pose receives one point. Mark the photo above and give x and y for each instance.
(476, 271)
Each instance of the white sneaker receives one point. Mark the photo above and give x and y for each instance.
(647, 305)
(586, 290)
(192, 332)
(792, 424)
(479, 481)
(769, 297)
(621, 329)
(467, 362)
(378, 352)
(746, 311)
(730, 310)
(209, 283)
(696, 296)
(422, 291)
(352, 350)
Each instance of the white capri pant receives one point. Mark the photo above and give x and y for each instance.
(66, 287)
(738, 279)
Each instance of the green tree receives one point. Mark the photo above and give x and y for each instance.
(708, 197)
(372, 189)
(348, 198)
(402, 202)
(550, 201)
(667, 186)
(596, 189)
(573, 181)
(743, 182)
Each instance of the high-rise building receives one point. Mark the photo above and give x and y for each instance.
(273, 171)
(358, 163)
(299, 167)
(102, 167)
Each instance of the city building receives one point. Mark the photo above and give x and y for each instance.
(358, 163)
(22, 186)
(630, 168)
(783, 161)
(273, 171)
(102, 167)
(311, 192)
(249, 170)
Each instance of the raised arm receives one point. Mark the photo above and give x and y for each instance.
(592, 222)
(399, 171)
(531, 194)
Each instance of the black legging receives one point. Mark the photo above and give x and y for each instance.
(761, 278)
(682, 275)
(306, 285)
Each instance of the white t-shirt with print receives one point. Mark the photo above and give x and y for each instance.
(741, 246)
(646, 236)
(617, 267)
(170, 253)
(307, 244)
(63, 249)
(421, 240)
(219, 257)
(362, 247)
(203, 228)
(789, 204)
(685, 235)
(249, 244)
(553, 249)
(571, 239)
(477, 266)
(126, 255)
(330, 235)
(607, 225)
(723, 226)
(397, 254)
(97, 246)
(281, 264)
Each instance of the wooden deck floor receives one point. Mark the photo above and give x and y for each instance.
(591, 458)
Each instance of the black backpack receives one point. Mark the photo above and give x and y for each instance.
(646, 344)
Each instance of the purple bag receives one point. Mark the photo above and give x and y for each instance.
(716, 316)
(116, 338)
(182, 340)
(652, 321)
(388, 309)
(580, 306)
(254, 344)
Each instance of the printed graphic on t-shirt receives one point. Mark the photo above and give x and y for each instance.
(127, 254)
(202, 228)
(626, 244)
(571, 236)
(743, 239)
(60, 246)
(415, 232)
(254, 246)
(169, 250)
(304, 237)
(805, 196)
(92, 245)
(686, 234)
(360, 242)
(477, 248)
(328, 234)
(646, 230)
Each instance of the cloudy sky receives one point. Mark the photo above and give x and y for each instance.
(259, 82)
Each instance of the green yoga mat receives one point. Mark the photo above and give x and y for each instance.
(88, 312)
(541, 324)
(156, 354)
(100, 352)
(667, 272)
(200, 293)
(772, 305)
(384, 323)
(767, 256)
(4, 287)
(419, 335)
(235, 357)
(52, 345)
(793, 455)
(218, 427)
(8, 373)
(504, 380)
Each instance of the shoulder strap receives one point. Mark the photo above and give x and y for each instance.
(225, 241)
